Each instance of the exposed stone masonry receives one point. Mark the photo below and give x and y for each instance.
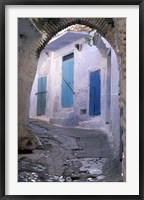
(121, 43)
(102, 25)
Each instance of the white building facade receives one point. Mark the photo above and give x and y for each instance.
(76, 84)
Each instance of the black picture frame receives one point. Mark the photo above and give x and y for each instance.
(3, 3)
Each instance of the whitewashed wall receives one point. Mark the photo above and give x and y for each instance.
(85, 61)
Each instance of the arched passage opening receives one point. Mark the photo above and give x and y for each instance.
(104, 26)
(80, 103)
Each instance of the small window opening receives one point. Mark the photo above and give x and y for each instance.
(82, 111)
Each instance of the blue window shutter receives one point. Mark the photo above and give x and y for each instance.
(41, 96)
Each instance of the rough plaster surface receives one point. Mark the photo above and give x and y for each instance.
(28, 40)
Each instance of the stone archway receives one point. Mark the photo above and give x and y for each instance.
(34, 34)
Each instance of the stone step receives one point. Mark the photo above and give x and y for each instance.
(95, 124)
(64, 121)
(64, 114)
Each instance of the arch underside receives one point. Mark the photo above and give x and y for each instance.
(51, 26)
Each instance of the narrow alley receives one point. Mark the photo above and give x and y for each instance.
(71, 100)
(69, 155)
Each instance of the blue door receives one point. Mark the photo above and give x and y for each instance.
(67, 81)
(95, 91)
(41, 96)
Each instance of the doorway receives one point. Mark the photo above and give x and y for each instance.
(67, 80)
(41, 95)
(95, 93)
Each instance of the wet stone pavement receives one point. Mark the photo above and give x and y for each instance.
(69, 155)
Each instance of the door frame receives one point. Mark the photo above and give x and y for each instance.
(108, 87)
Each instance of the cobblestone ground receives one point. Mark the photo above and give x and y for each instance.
(69, 155)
